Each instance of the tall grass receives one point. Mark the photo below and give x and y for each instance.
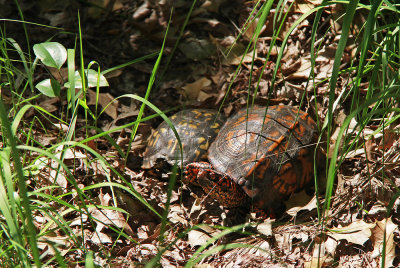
(24, 159)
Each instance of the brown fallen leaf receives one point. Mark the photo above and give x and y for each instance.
(390, 136)
(236, 59)
(303, 6)
(193, 90)
(106, 101)
(51, 105)
(106, 217)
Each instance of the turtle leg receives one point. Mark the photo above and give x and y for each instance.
(272, 210)
(192, 170)
(217, 185)
(222, 188)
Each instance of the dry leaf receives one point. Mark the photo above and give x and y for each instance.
(389, 227)
(192, 90)
(330, 246)
(234, 59)
(265, 228)
(70, 153)
(300, 198)
(318, 258)
(197, 49)
(51, 105)
(142, 12)
(105, 100)
(357, 232)
(106, 217)
(212, 6)
(176, 214)
(197, 238)
(303, 6)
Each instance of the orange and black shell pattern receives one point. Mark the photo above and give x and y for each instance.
(197, 128)
(268, 153)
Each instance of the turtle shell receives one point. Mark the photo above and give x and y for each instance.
(197, 128)
(268, 152)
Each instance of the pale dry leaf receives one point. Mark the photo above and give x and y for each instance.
(315, 262)
(175, 255)
(41, 163)
(143, 232)
(47, 244)
(330, 245)
(58, 178)
(55, 240)
(324, 71)
(290, 56)
(212, 6)
(148, 250)
(302, 72)
(377, 210)
(107, 100)
(98, 237)
(61, 126)
(264, 249)
(192, 90)
(142, 12)
(301, 198)
(110, 217)
(304, 6)
(47, 141)
(209, 229)
(318, 258)
(203, 96)
(104, 198)
(249, 33)
(379, 239)
(79, 220)
(354, 153)
(70, 153)
(176, 214)
(234, 59)
(197, 238)
(265, 228)
(357, 232)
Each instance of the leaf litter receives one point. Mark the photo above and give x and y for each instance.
(358, 222)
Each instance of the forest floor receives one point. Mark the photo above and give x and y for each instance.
(200, 74)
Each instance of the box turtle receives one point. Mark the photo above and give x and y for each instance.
(197, 128)
(258, 158)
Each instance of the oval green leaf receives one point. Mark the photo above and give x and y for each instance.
(50, 88)
(52, 54)
(91, 79)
